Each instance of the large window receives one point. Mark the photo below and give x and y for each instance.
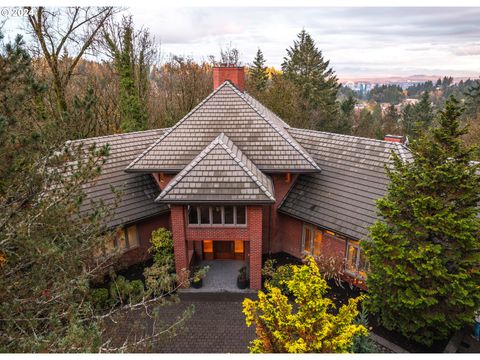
(124, 239)
(217, 215)
(311, 240)
(356, 263)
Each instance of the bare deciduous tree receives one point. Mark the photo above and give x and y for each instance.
(64, 35)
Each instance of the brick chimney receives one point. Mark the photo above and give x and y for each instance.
(394, 138)
(235, 74)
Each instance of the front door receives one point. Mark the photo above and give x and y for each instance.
(224, 250)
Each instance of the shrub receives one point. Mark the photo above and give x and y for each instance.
(331, 268)
(361, 342)
(269, 268)
(100, 298)
(280, 277)
(309, 325)
(119, 289)
(136, 290)
(162, 247)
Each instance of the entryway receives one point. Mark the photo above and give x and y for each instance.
(223, 250)
(221, 277)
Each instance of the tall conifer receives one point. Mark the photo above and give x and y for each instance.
(424, 253)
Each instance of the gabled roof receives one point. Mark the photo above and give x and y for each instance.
(342, 197)
(138, 190)
(257, 131)
(220, 173)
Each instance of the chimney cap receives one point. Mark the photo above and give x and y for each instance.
(394, 138)
(226, 65)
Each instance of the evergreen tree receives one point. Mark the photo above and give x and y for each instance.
(132, 73)
(347, 112)
(258, 74)
(423, 113)
(305, 66)
(408, 121)
(390, 121)
(472, 99)
(424, 253)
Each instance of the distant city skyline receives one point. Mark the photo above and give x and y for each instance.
(361, 43)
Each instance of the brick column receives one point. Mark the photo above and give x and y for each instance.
(281, 185)
(255, 234)
(179, 240)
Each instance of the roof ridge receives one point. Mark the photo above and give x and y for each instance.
(217, 141)
(181, 121)
(117, 134)
(274, 126)
(342, 135)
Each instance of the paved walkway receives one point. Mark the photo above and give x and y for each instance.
(215, 327)
(221, 277)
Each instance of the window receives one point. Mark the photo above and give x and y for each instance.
(204, 215)
(241, 217)
(228, 214)
(356, 262)
(192, 215)
(307, 238)
(132, 237)
(123, 240)
(217, 215)
(317, 246)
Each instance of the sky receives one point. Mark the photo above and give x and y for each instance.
(359, 42)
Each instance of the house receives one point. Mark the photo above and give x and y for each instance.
(232, 180)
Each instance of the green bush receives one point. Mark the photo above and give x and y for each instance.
(136, 290)
(162, 247)
(361, 342)
(280, 276)
(100, 298)
(119, 289)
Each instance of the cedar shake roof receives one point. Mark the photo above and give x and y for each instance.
(221, 173)
(342, 197)
(138, 190)
(256, 130)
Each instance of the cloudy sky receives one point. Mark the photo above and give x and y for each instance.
(360, 42)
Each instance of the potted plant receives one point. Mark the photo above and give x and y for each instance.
(242, 279)
(198, 275)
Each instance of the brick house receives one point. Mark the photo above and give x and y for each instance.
(231, 180)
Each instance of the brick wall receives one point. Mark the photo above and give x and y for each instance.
(144, 229)
(179, 240)
(236, 75)
(290, 235)
(162, 179)
(281, 184)
(255, 216)
(218, 233)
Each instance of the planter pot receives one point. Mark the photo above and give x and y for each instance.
(242, 283)
(197, 284)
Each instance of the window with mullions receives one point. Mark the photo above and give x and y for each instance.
(356, 263)
(217, 215)
(311, 240)
(124, 239)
